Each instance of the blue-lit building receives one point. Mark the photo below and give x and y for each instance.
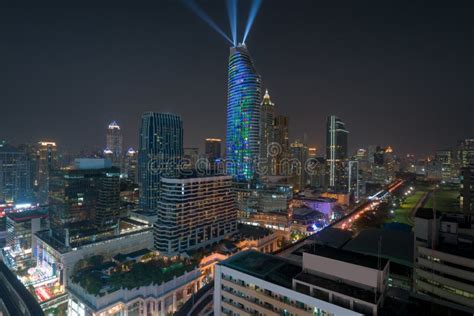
(243, 114)
(160, 148)
(14, 175)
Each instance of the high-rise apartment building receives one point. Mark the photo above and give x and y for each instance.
(160, 149)
(243, 114)
(336, 151)
(466, 152)
(193, 212)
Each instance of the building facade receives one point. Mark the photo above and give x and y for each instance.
(336, 151)
(160, 149)
(114, 141)
(47, 163)
(212, 149)
(243, 114)
(194, 212)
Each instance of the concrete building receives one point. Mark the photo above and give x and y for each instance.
(57, 259)
(194, 211)
(444, 258)
(329, 282)
(155, 299)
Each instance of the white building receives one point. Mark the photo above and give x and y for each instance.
(329, 282)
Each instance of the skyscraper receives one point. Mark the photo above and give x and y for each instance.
(15, 185)
(114, 142)
(212, 149)
(336, 151)
(47, 162)
(160, 148)
(243, 114)
(130, 165)
(266, 125)
(281, 137)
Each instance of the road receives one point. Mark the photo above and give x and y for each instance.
(346, 221)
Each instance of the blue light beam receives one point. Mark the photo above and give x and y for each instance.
(232, 13)
(206, 18)
(252, 14)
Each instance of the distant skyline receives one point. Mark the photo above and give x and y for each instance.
(398, 74)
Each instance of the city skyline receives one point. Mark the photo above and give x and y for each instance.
(336, 69)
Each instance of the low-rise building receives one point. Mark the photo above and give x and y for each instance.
(329, 282)
(57, 259)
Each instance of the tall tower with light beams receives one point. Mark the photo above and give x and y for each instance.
(243, 114)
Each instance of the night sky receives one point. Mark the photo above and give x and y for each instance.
(397, 72)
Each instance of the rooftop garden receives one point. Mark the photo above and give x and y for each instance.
(98, 277)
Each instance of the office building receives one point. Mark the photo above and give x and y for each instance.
(114, 141)
(15, 172)
(212, 149)
(194, 212)
(243, 114)
(446, 161)
(131, 165)
(336, 152)
(281, 137)
(47, 162)
(160, 149)
(296, 166)
(87, 192)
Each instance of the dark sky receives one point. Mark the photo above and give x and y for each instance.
(397, 72)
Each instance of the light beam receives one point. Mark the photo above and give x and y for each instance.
(232, 13)
(206, 18)
(252, 14)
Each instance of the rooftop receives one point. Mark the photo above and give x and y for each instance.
(263, 266)
(29, 214)
(397, 246)
(426, 213)
(346, 256)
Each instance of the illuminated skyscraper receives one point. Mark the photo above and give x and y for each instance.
(161, 147)
(336, 151)
(47, 162)
(243, 114)
(131, 165)
(114, 142)
(266, 125)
